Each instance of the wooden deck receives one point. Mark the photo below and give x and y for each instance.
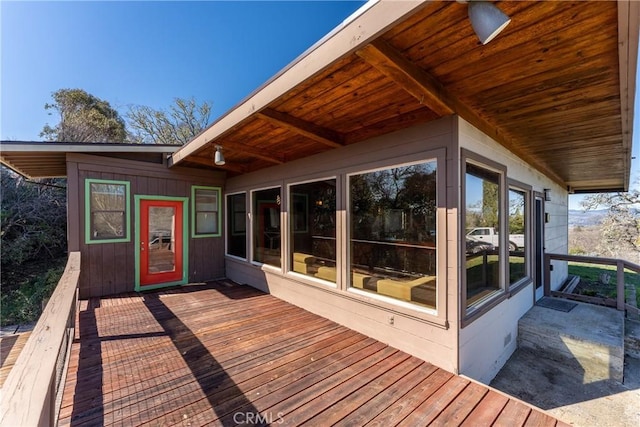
(10, 348)
(218, 354)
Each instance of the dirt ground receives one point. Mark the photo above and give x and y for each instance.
(595, 289)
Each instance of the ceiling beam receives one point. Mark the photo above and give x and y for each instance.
(209, 162)
(431, 93)
(310, 130)
(407, 75)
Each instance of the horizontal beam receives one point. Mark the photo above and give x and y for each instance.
(70, 147)
(310, 130)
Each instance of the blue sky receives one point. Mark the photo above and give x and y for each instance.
(148, 53)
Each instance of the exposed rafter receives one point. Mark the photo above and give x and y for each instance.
(430, 92)
(409, 76)
(310, 130)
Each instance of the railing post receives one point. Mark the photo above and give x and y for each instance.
(547, 275)
(620, 285)
(30, 390)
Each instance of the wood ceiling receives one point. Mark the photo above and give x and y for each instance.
(553, 88)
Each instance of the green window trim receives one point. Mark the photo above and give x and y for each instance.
(88, 212)
(194, 212)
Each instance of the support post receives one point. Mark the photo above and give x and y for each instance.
(620, 285)
(547, 275)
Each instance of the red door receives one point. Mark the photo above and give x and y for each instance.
(161, 241)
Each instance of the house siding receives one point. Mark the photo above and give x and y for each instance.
(109, 268)
(488, 342)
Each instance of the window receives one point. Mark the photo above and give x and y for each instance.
(392, 223)
(106, 211)
(518, 235)
(482, 193)
(237, 225)
(266, 226)
(313, 229)
(205, 205)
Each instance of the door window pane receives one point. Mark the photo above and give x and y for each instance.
(161, 246)
(266, 226)
(392, 218)
(482, 209)
(313, 229)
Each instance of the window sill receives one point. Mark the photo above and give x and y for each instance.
(478, 311)
(520, 285)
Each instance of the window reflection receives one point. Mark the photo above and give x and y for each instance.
(107, 203)
(236, 225)
(482, 222)
(313, 229)
(517, 235)
(266, 226)
(393, 232)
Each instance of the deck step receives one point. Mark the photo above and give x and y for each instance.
(588, 337)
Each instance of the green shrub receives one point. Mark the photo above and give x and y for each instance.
(24, 304)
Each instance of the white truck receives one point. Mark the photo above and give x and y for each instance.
(490, 235)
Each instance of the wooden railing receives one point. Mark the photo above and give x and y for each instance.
(30, 395)
(620, 265)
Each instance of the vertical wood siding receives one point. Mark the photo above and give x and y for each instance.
(109, 268)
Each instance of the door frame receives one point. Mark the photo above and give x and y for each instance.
(185, 241)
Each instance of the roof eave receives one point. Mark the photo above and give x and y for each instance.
(362, 27)
(628, 34)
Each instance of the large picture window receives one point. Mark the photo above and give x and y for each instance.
(266, 226)
(106, 211)
(237, 225)
(205, 207)
(312, 216)
(392, 223)
(482, 222)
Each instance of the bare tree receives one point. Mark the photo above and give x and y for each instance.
(177, 125)
(620, 229)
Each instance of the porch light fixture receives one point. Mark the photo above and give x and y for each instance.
(218, 157)
(547, 194)
(486, 19)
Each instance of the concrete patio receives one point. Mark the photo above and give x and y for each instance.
(573, 365)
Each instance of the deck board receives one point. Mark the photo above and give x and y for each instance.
(219, 353)
(10, 348)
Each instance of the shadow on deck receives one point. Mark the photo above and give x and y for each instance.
(225, 354)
